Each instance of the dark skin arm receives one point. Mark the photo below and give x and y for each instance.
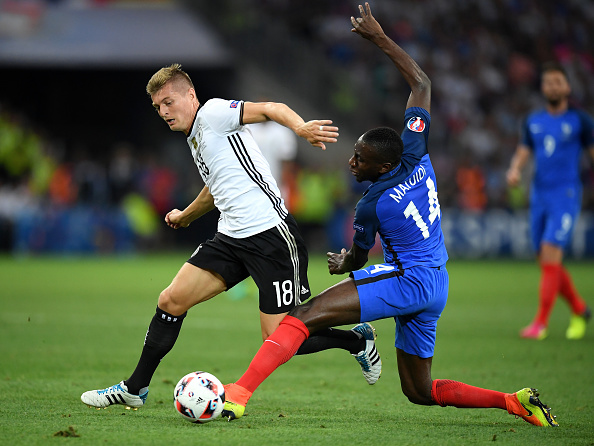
(368, 28)
(349, 261)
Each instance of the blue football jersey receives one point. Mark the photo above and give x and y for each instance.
(557, 142)
(402, 206)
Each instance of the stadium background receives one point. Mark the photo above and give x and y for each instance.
(86, 166)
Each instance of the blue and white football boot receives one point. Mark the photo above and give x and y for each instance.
(116, 394)
(369, 359)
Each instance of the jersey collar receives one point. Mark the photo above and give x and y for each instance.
(389, 174)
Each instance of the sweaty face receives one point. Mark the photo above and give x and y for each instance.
(363, 164)
(555, 87)
(175, 104)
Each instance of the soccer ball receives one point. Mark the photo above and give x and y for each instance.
(199, 397)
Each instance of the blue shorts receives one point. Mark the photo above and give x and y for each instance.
(415, 299)
(553, 216)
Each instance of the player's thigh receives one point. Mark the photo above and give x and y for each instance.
(538, 218)
(384, 291)
(190, 286)
(219, 255)
(416, 328)
(560, 224)
(277, 261)
(337, 305)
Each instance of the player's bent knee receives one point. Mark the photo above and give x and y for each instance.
(301, 312)
(172, 303)
(416, 397)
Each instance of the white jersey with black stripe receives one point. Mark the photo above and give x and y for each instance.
(235, 171)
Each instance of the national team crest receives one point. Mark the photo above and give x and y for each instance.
(416, 124)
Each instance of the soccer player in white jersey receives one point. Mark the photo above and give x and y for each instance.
(256, 236)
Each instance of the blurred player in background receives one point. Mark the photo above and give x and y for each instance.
(278, 144)
(412, 285)
(256, 235)
(556, 137)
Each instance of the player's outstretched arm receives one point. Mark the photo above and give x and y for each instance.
(203, 203)
(316, 132)
(367, 27)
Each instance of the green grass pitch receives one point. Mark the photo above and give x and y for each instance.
(72, 324)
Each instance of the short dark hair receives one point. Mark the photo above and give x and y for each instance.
(386, 142)
(553, 66)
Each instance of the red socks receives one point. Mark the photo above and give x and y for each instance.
(555, 279)
(568, 291)
(446, 392)
(550, 283)
(277, 349)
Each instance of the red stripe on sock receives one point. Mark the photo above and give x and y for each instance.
(446, 392)
(277, 349)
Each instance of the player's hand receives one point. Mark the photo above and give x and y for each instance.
(366, 25)
(336, 262)
(175, 220)
(318, 132)
(513, 177)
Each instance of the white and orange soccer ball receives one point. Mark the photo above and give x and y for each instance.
(199, 397)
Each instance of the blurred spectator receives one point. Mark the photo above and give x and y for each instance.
(471, 186)
(121, 171)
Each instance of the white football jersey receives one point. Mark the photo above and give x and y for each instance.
(235, 171)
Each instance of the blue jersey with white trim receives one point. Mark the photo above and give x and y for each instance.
(557, 142)
(402, 205)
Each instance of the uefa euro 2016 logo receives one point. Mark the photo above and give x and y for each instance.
(416, 124)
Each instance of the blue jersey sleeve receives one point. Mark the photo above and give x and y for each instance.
(415, 136)
(366, 223)
(587, 136)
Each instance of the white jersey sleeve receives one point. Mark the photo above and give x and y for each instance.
(222, 116)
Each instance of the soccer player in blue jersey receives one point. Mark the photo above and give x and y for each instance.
(556, 137)
(411, 285)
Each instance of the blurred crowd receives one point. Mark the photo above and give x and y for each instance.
(48, 190)
(483, 57)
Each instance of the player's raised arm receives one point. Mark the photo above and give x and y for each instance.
(316, 132)
(367, 27)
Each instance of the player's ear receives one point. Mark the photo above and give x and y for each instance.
(386, 167)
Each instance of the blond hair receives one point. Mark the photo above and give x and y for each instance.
(172, 73)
